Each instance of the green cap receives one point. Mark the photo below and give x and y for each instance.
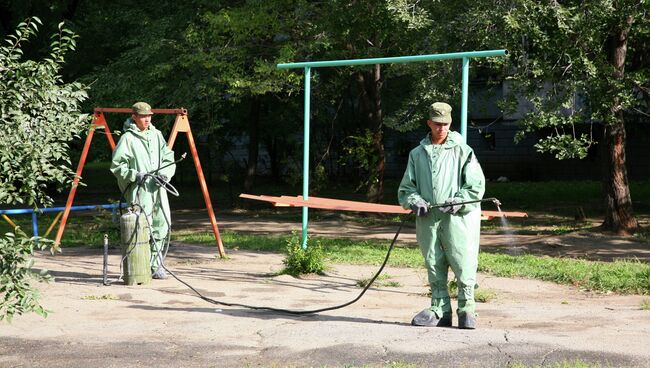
(142, 108)
(440, 113)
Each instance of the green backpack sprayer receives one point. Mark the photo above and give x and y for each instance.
(136, 251)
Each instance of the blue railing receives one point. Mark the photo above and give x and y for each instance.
(21, 211)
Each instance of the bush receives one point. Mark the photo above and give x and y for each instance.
(302, 261)
(16, 294)
(39, 115)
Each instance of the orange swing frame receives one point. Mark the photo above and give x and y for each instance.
(181, 125)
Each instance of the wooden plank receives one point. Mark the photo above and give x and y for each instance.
(344, 205)
(361, 206)
(492, 214)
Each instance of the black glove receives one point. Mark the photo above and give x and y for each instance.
(452, 208)
(420, 208)
(140, 178)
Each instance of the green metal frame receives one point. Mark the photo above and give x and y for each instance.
(307, 65)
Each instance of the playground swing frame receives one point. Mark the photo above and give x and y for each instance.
(181, 125)
(308, 65)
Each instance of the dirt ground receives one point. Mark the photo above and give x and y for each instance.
(164, 324)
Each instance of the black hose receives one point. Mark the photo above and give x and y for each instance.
(297, 312)
(280, 310)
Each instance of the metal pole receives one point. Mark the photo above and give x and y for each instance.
(397, 59)
(463, 102)
(305, 156)
(35, 223)
(105, 266)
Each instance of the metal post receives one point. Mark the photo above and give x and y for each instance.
(35, 223)
(305, 156)
(105, 265)
(463, 102)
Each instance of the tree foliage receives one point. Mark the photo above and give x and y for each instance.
(571, 64)
(39, 115)
(560, 66)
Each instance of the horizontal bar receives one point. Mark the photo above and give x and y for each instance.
(397, 59)
(181, 111)
(19, 211)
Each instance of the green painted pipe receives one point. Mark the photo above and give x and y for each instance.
(463, 99)
(305, 156)
(397, 59)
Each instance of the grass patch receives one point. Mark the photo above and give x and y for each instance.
(484, 295)
(645, 305)
(480, 295)
(624, 277)
(387, 365)
(100, 297)
(563, 364)
(643, 234)
(383, 280)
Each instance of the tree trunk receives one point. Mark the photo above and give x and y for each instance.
(253, 145)
(371, 84)
(619, 215)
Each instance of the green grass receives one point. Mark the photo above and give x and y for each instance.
(564, 364)
(383, 280)
(625, 277)
(644, 234)
(484, 295)
(645, 305)
(386, 365)
(100, 297)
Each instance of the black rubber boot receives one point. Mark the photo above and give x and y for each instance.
(160, 274)
(467, 321)
(429, 319)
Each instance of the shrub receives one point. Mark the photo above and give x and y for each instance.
(302, 261)
(34, 102)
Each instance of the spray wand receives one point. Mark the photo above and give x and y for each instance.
(493, 200)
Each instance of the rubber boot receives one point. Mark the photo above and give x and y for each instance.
(467, 321)
(427, 318)
(160, 274)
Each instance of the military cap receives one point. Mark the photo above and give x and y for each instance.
(141, 108)
(440, 113)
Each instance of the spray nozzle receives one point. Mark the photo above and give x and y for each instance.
(495, 201)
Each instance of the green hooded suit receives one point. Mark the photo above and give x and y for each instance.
(144, 152)
(435, 173)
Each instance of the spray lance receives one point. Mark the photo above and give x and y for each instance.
(493, 200)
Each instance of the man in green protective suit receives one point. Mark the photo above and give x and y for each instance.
(443, 169)
(140, 152)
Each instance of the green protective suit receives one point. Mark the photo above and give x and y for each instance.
(435, 173)
(145, 151)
